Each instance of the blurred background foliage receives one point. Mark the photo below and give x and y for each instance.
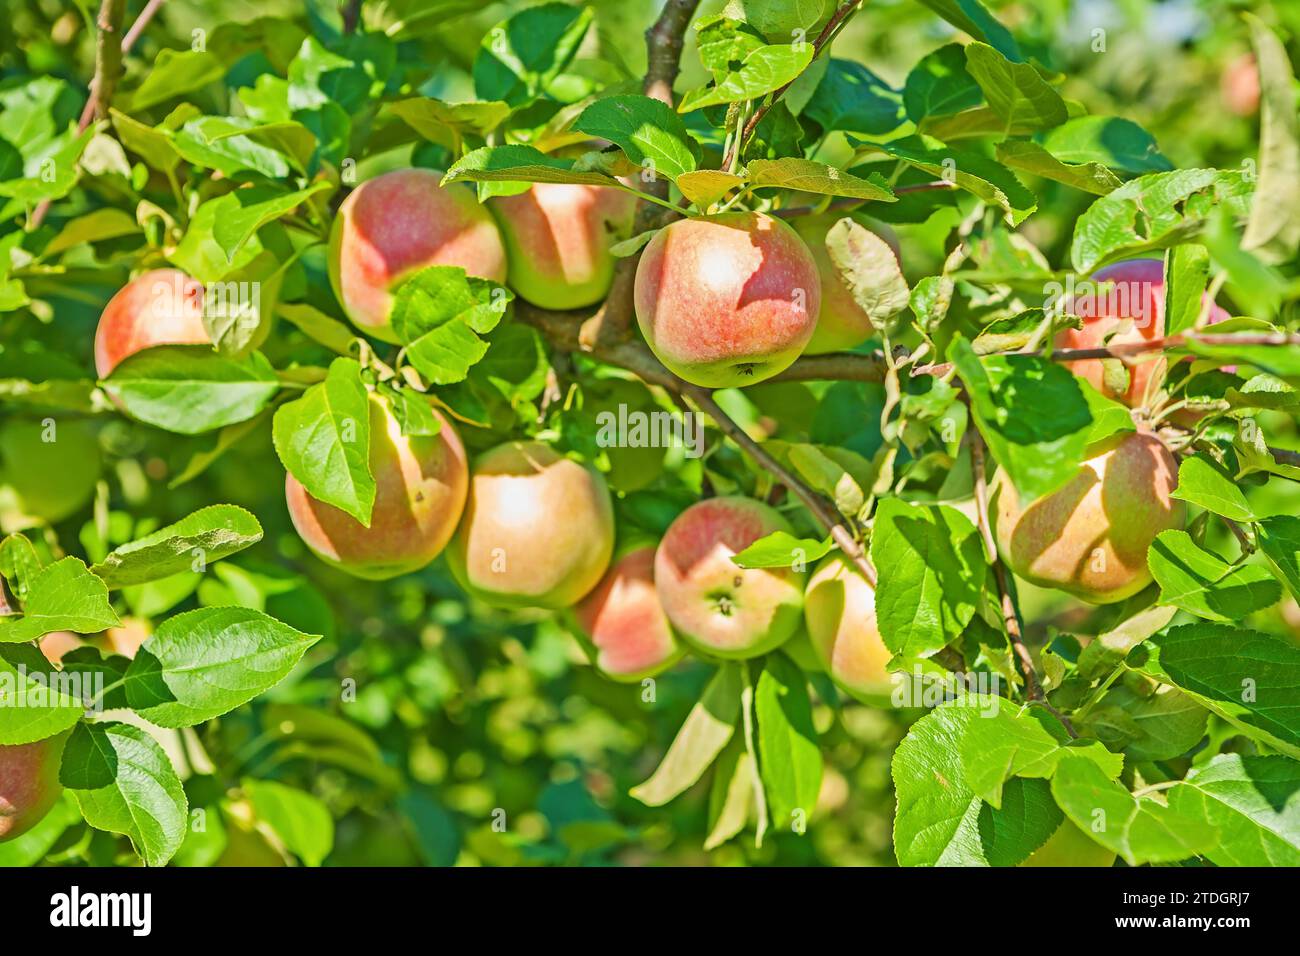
(430, 730)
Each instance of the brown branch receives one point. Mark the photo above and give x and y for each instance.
(664, 40)
(823, 40)
(1284, 456)
(108, 68)
(351, 16)
(562, 330)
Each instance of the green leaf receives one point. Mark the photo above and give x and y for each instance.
(206, 535)
(941, 821)
(789, 756)
(1254, 803)
(1039, 452)
(931, 567)
(969, 170)
(869, 271)
(1203, 584)
(440, 313)
(323, 440)
(853, 99)
(124, 783)
(174, 73)
(301, 821)
(1162, 725)
(763, 70)
(1015, 91)
(1029, 157)
(702, 187)
(107, 223)
(1139, 829)
(731, 795)
(1152, 212)
(706, 731)
(153, 144)
(447, 123)
(1251, 680)
(939, 85)
(189, 389)
(205, 663)
(780, 549)
(1202, 482)
(222, 143)
(1279, 539)
(1106, 140)
(521, 164)
(806, 175)
(65, 596)
(521, 56)
(245, 211)
(970, 16)
(34, 705)
(648, 131)
(19, 564)
(1187, 271)
(318, 326)
(1273, 229)
(1279, 360)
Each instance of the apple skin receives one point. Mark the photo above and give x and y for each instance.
(1144, 296)
(1239, 86)
(718, 607)
(1070, 846)
(29, 783)
(841, 323)
(557, 238)
(1090, 538)
(45, 482)
(840, 614)
(629, 633)
(727, 300)
(538, 529)
(396, 224)
(162, 307)
(420, 487)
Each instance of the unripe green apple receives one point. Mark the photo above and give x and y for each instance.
(717, 606)
(29, 783)
(629, 633)
(1090, 537)
(420, 489)
(538, 529)
(727, 300)
(1070, 846)
(396, 224)
(557, 238)
(162, 307)
(840, 613)
(48, 469)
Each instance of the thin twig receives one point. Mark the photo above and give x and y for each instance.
(351, 16)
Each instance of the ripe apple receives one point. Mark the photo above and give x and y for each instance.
(1138, 294)
(162, 307)
(841, 323)
(1239, 85)
(29, 783)
(1070, 846)
(557, 238)
(538, 529)
(420, 488)
(630, 636)
(727, 300)
(717, 606)
(1090, 538)
(840, 614)
(396, 224)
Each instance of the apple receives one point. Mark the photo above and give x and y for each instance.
(841, 323)
(1239, 86)
(727, 300)
(29, 783)
(1070, 846)
(557, 238)
(1090, 538)
(629, 633)
(420, 487)
(48, 469)
(1138, 295)
(718, 607)
(162, 307)
(840, 614)
(538, 529)
(401, 222)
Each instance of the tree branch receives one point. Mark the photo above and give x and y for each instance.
(561, 329)
(351, 16)
(612, 322)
